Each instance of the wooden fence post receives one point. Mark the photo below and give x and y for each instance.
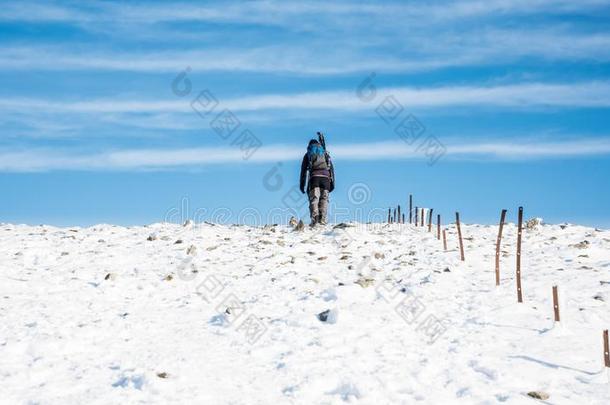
(399, 216)
(502, 217)
(606, 354)
(459, 229)
(416, 215)
(422, 219)
(555, 303)
(430, 220)
(410, 208)
(445, 239)
(438, 227)
(403, 217)
(394, 220)
(519, 231)
(389, 215)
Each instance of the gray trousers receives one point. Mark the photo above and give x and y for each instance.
(318, 204)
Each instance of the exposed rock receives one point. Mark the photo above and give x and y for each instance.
(365, 282)
(192, 250)
(179, 241)
(538, 395)
(169, 277)
(293, 222)
(110, 276)
(300, 226)
(379, 255)
(533, 223)
(322, 257)
(152, 236)
(581, 245)
(328, 316)
(188, 223)
(162, 374)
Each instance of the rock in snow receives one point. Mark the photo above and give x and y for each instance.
(365, 282)
(328, 316)
(538, 395)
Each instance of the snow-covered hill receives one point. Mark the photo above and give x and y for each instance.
(376, 314)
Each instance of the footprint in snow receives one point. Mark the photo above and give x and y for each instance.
(136, 381)
(346, 391)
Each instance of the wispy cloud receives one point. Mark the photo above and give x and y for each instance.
(274, 12)
(317, 38)
(146, 159)
(585, 94)
(410, 52)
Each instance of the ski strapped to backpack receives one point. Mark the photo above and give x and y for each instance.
(321, 139)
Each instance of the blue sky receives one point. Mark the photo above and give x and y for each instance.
(511, 101)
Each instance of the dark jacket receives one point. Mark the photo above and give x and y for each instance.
(330, 173)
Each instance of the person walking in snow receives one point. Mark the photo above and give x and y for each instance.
(318, 172)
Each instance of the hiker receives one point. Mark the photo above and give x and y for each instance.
(317, 169)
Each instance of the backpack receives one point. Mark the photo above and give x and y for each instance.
(317, 157)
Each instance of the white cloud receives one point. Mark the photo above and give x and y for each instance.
(391, 52)
(141, 159)
(284, 12)
(585, 94)
(331, 38)
(293, 58)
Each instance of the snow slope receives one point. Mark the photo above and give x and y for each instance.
(89, 315)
